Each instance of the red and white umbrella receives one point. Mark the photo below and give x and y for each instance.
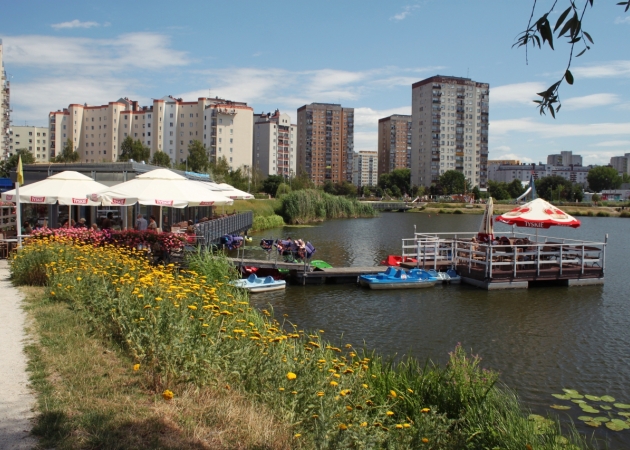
(538, 214)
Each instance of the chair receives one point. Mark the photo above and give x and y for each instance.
(4, 247)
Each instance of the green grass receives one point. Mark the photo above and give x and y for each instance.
(262, 208)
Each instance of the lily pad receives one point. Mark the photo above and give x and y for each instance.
(593, 398)
(535, 417)
(606, 407)
(608, 398)
(562, 407)
(578, 401)
(590, 410)
(622, 405)
(585, 418)
(593, 424)
(601, 419)
(614, 426)
(621, 423)
(562, 396)
(570, 391)
(625, 414)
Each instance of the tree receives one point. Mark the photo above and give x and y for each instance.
(220, 170)
(452, 182)
(515, 188)
(283, 189)
(161, 159)
(346, 188)
(7, 166)
(603, 177)
(476, 192)
(329, 187)
(399, 178)
(556, 187)
(271, 183)
(67, 153)
(126, 149)
(570, 24)
(498, 190)
(135, 150)
(301, 182)
(198, 157)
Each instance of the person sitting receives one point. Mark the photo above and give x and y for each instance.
(81, 223)
(141, 223)
(152, 226)
(165, 225)
(108, 222)
(94, 227)
(26, 228)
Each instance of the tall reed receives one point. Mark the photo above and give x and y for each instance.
(311, 205)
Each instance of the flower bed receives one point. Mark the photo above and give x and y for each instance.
(126, 238)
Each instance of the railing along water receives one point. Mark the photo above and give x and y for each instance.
(212, 230)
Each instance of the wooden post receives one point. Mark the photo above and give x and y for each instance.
(582, 272)
(537, 259)
(490, 261)
(560, 259)
(604, 254)
(435, 254)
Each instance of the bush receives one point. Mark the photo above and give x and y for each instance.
(266, 222)
(458, 211)
(603, 214)
(624, 214)
(590, 214)
(311, 205)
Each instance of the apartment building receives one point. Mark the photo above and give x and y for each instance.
(509, 172)
(566, 158)
(325, 144)
(275, 144)
(33, 139)
(503, 162)
(169, 125)
(5, 108)
(365, 168)
(449, 129)
(621, 164)
(394, 143)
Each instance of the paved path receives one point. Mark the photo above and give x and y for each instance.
(16, 400)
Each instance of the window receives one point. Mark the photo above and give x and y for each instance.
(171, 115)
(220, 120)
(191, 116)
(171, 133)
(171, 124)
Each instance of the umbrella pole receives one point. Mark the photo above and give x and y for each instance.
(69, 216)
(160, 218)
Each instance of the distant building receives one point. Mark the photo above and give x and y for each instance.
(5, 109)
(450, 129)
(504, 162)
(394, 143)
(621, 164)
(325, 143)
(33, 139)
(565, 158)
(169, 125)
(365, 168)
(508, 172)
(275, 144)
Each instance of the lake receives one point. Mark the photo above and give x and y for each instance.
(541, 339)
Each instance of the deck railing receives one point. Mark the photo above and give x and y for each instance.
(516, 254)
(212, 230)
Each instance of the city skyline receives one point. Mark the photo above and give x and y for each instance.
(57, 54)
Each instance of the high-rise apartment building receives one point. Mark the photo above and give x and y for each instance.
(449, 130)
(365, 168)
(394, 143)
(566, 159)
(33, 139)
(621, 163)
(275, 140)
(325, 142)
(170, 125)
(5, 108)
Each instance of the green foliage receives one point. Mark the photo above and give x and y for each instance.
(67, 154)
(11, 163)
(135, 150)
(340, 188)
(161, 159)
(312, 205)
(283, 189)
(498, 190)
(603, 177)
(555, 187)
(271, 183)
(515, 188)
(267, 222)
(197, 157)
(476, 192)
(398, 178)
(453, 182)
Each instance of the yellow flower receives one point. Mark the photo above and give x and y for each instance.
(297, 435)
(364, 424)
(333, 383)
(52, 293)
(291, 376)
(406, 425)
(410, 390)
(392, 393)
(364, 385)
(348, 408)
(136, 367)
(343, 426)
(281, 389)
(320, 394)
(425, 410)
(425, 440)
(168, 395)
(193, 307)
(390, 413)
(78, 278)
(399, 426)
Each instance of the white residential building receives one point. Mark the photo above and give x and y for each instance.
(5, 108)
(365, 168)
(33, 139)
(621, 164)
(275, 143)
(449, 129)
(170, 125)
(523, 172)
(566, 158)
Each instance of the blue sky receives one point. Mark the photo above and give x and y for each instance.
(362, 54)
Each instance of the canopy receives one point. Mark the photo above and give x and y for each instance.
(67, 188)
(486, 229)
(234, 193)
(160, 187)
(538, 214)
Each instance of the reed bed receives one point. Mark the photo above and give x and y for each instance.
(266, 222)
(191, 327)
(311, 205)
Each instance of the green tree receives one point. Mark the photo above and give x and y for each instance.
(126, 149)
(515, 188)
(271, 183)
(198, 157)
(569, 25)
(476, 192)
(346, 188)
(220, 170)
(67, 153)
(400, 178)
(11, 163)
(555, 187)
(283, 189)
(452, 182)
(329, 187)
(161, 159)
(498, 190)
(301, 182)
(603, 177)
(133, 150)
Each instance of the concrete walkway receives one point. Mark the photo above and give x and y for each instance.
(16, 400)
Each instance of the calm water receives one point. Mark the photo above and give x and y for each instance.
(541, 340)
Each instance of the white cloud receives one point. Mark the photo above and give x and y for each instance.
(613, 144)
(590, 101)
(547, 130)
(368, 117)
(516, 94)
(74, 24)
(608, 70)
(407, 10)
(620, 20)
(365, 140)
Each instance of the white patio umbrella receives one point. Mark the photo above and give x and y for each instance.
(234, 193)
(486, 229)
(66, 188)
(161, 187)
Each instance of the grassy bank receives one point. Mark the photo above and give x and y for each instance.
(190, 330)
(311, 205)
(461, 208)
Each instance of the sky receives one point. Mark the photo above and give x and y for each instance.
(363, 54)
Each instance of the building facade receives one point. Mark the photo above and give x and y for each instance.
(621, 164)
(365, 168)
(394, 143)
(5, 108)
(169, 125)
(33, 139)
(499, 162)
(274, 148)
(449, 129)
(508, 172)
(566, 158)
(325, 144)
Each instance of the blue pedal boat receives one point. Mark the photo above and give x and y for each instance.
(448, 277)
(394, 278)
(255, 284)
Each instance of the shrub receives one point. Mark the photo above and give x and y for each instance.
(624, 214)
(311, 205)
(603, 214)
(267, 222)
(458, 211)
(590, 214)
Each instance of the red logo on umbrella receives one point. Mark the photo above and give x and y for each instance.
(37, 199)
(118, 201)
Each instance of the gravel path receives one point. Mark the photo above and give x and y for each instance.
(16, 400)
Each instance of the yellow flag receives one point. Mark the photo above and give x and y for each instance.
(19, 171)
